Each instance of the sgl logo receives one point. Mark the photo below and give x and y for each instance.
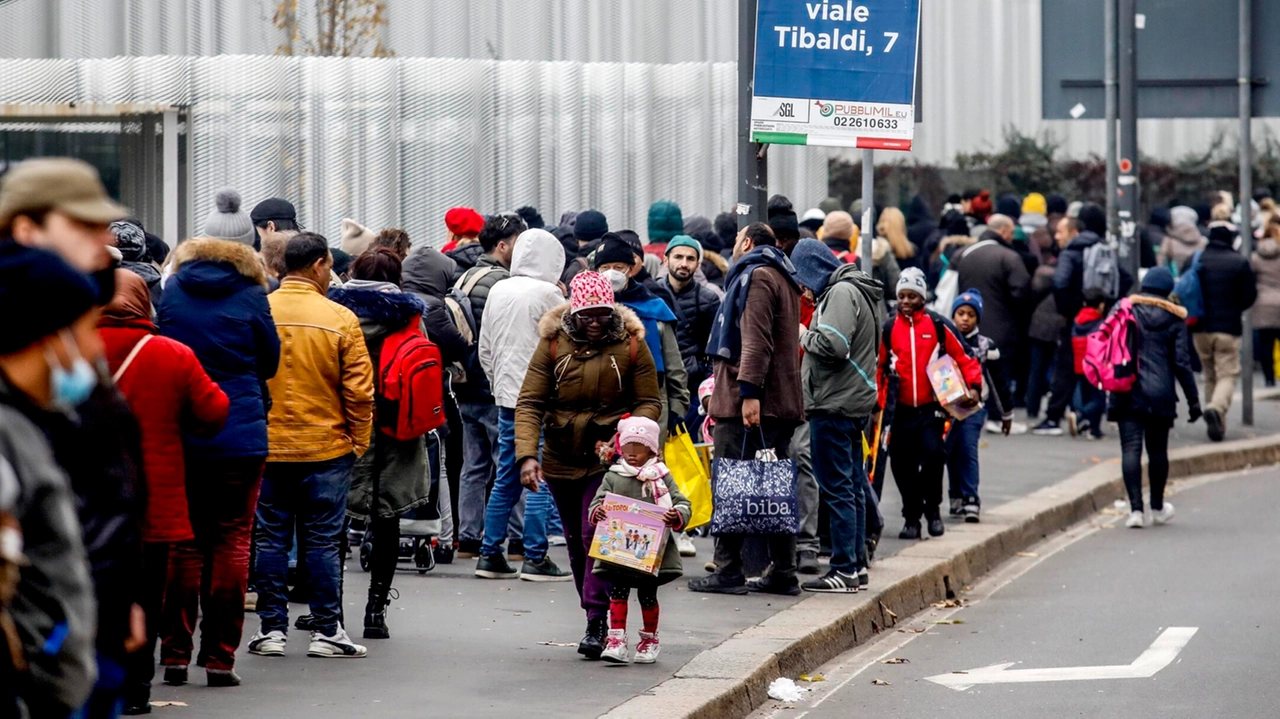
(786, 111)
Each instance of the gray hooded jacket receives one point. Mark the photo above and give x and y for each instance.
(841, 346)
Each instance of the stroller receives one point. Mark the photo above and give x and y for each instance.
(419, 528)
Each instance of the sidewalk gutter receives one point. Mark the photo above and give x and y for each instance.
(730, 680)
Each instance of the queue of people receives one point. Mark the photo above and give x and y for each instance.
(189, 435)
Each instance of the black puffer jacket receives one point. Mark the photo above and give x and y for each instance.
(1068, 280)
(429, 274)
(998, 272)
(698, 306)
(1228, 285)
(1163, 357)
(465, 257)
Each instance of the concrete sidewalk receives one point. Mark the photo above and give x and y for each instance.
(462, 646)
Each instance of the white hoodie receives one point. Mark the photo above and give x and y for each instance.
(509, 334)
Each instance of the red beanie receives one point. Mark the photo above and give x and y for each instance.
(463, 221)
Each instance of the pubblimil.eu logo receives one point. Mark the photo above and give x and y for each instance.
(824, 108)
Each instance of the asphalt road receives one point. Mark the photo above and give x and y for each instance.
(462, 646)
(1099, 595)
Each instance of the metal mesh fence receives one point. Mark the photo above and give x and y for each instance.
(400, 141)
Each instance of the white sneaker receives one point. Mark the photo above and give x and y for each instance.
(1164, 515)
(647, 649)
(993, 427)
(338, 646)
(556, 540)
(270, 644)
(615, 647)
(1135, 520)
(685, 545)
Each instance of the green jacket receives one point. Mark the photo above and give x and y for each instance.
(632, 488)
(841, 345)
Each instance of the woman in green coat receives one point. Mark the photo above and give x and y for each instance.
(638, 474)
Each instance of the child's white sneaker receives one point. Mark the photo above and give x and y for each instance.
(647, 649)
(615, 647)
(1164, 514)
(685, 545)
(1135, 520)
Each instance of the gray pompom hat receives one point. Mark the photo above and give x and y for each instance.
(228, 221)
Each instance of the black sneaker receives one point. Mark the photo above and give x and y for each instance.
(136, 707)
(713, 584)
(543, 571)
(1048, 428)
(443, 554)
(515, 551)
(873, 541)
(957, 506)
(766, 585)
(864, 578)
(910, 530)
(807, 562)
(175, 675)
(972, 508)
(1216, 428)
(306, 623)
(936, 528)
(494, 566)
(835, 582)
(468, 549)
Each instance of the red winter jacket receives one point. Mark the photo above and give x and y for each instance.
(170, 393)
(1087, 322)
(909, 344)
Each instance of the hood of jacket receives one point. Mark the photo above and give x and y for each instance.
(1188, 235)
(625, 322)
(215, 268)
(428, 271)
(538, 255)
(851, 274)
(951, 242)
(1268, 248)
(1157, 320)
(918, 211)
(389, 308)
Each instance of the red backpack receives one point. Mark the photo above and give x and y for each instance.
(1110, 360)
(410, 400)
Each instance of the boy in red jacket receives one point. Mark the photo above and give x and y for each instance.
(912, 339)
(1093, 400)
(169, 393)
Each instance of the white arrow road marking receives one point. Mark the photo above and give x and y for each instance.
(1158, 656)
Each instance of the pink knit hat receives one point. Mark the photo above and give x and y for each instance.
(640, 430)
(588, 290)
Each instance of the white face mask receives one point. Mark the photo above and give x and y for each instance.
(617, 279)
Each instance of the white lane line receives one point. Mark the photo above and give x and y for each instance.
(1159, 655)
(853, 664)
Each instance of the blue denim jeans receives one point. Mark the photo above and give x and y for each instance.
(507, 492)
(836, 446)
(480, 449)
(314, 495)
(962, 456)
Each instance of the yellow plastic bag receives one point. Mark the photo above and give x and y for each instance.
(690, 475)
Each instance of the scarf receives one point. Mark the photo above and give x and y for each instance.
(651, 474)
(651, 310)
(726, 332)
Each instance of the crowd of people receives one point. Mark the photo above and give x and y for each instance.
(188, 433)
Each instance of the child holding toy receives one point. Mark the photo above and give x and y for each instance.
(639, 474)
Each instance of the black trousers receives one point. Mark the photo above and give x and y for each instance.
(1064, 378)
(735, 441)
(917, 456)
(1153, 432)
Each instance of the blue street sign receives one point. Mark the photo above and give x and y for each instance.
(836, 72)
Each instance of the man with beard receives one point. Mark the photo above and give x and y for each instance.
(698, 305)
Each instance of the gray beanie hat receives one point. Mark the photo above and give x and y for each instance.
(228, 221)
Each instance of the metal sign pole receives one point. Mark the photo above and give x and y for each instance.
(1109, 88)
(1128, 166)
(1245, 81)
(868, 210)
(753, 177)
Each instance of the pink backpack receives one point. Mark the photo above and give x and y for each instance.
(1109, 361)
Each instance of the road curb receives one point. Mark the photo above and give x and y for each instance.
(730, 679)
